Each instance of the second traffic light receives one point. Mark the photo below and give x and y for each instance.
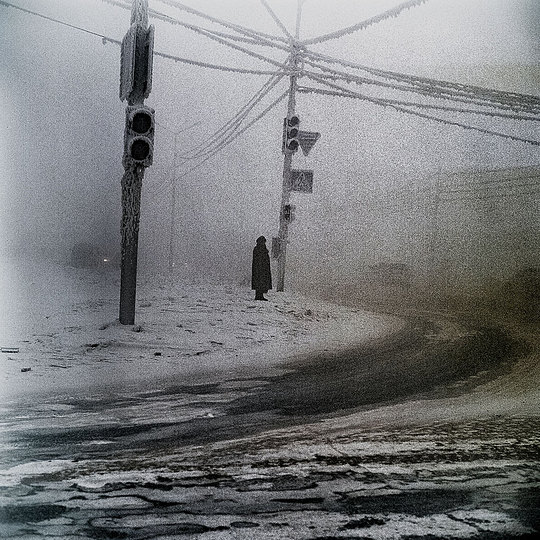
(291, 131)
(139, 135)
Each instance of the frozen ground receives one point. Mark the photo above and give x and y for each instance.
(116, 433)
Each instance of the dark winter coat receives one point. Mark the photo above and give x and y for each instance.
(261, 276)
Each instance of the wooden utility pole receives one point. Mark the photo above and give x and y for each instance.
(135, 86)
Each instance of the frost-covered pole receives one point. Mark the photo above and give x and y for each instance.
(288, 150)
(135, 86)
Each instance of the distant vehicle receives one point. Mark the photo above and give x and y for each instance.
(85, 255)
(391, 274)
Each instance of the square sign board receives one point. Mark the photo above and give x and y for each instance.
(302, 180)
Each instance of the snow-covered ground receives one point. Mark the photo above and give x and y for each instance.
(464, 466)
(64, 322)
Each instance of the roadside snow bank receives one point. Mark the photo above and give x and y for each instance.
(64, 322)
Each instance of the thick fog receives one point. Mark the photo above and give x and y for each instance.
(376, 170)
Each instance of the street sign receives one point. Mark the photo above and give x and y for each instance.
(149, 53)
(302, 180)
(307, 140)
(137, 47)
(127, 62)
(276, 247)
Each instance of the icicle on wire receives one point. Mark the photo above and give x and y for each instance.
(377, 101)
(509, 116)
(522, 100)
(394, 12)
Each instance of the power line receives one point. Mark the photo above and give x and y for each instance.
(427, 106)
(157, 53)
(383, 103)
(394, 12)
(528, 102)
(224, 144)
(52, 19)
(424, 90)
(276, 19)
(237, 28)
(234, 123)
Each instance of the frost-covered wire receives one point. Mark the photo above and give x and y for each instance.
(236, 27)
(63, 23)
(237, 132)
(224, 39)
(524, 102)
(216, 151)
(233, 123)
(108, 39)
(217, 67)
(276, 19)
(394, 12)
(377, 101)
(509, 116)
(423, 90)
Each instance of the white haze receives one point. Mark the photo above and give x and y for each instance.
(62, 129)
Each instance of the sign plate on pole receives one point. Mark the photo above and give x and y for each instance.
(302, 180)
(307, 140)
(127, 62)
(276, 247)
(149, 45)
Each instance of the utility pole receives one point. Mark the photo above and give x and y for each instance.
(283, 232)
(173, 206)
(135, 86)
(173, 197)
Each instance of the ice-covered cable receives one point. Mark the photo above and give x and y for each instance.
(492, 114)
(424, 90)
(232, 123)
(236, 27)
(399, 108)
(394, 12)
(522, 100)
(276, 19)
(237, 132)
(225, 144)
(107, 39)
(251, 39)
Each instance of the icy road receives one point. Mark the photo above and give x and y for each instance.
(427, 429)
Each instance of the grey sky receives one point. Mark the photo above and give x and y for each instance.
(61, 135)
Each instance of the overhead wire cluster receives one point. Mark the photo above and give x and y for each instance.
(330, 76)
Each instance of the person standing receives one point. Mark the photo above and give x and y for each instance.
(261, 275)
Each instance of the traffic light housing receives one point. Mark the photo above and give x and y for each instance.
(139, 135)
(291, 131)
(289, 211)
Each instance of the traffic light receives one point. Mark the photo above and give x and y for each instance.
(289, 212)
(291, 132)
(139, 135)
